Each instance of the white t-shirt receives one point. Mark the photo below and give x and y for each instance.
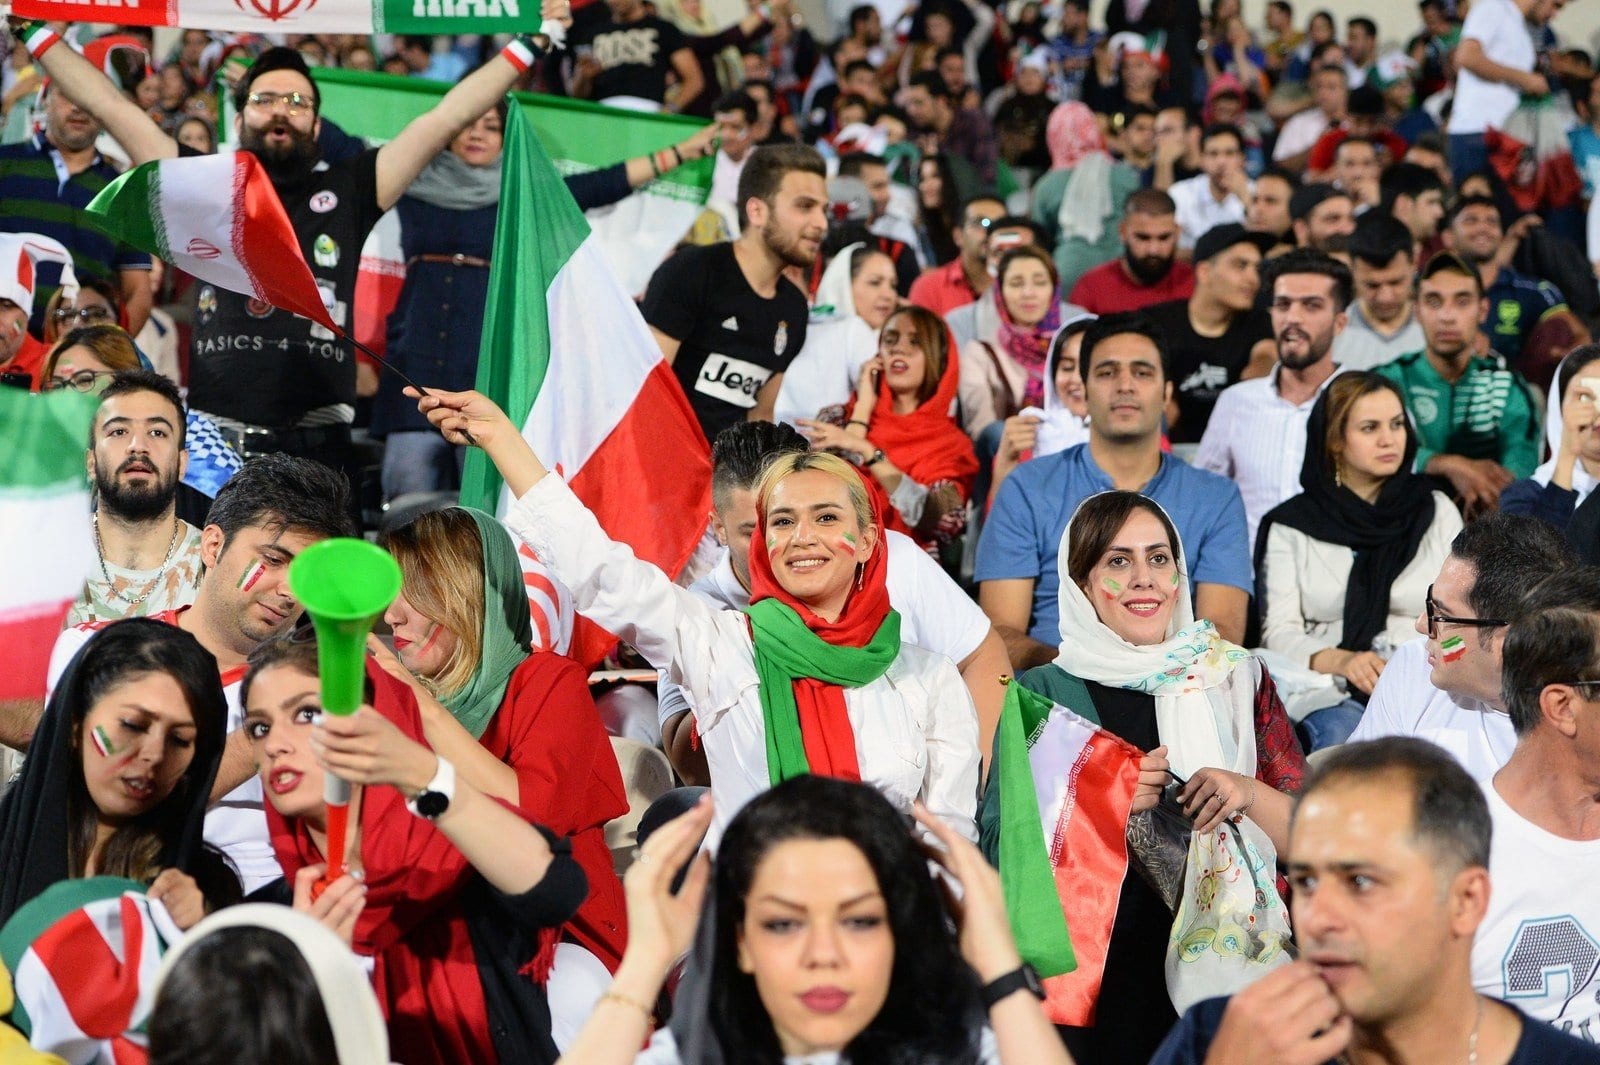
(1502, 32)
(934, 612)
(1199, 211)
(1538, 947)
(236, 825)
(1300, 134)
(1405, 703)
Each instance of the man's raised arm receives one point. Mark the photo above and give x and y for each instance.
(91, 90)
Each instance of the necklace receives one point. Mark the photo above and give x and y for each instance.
(1472, 1039)
(177, 527)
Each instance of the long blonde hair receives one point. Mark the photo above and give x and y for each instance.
(822, 462)
(441, 563)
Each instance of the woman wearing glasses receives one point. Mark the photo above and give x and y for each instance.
(1342, 568)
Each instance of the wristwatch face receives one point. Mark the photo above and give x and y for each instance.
(431, 804)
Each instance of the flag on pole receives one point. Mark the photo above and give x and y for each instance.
(566, 353)
(1066, 790)
(635, 235)
(218, 218)
(296, 16)
(46, 548)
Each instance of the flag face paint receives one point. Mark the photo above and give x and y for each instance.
(1454, 647)
(252, 573)
(1111, 588)
(848, 543)
(434, 629)
(102, 741)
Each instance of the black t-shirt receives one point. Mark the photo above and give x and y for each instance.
(256, 364)
(634, 57)
(1539, 1044)
(732, 340)
(1203, 366)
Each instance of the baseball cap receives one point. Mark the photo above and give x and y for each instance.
(1218, 239)
(1305, 199)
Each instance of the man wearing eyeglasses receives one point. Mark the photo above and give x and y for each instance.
(275, 382)
(963, 279)
(1446, 688)
(1539, 943)
(47, 181)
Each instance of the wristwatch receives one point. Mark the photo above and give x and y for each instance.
(1024, 977)
(434, 799)
(875, 458)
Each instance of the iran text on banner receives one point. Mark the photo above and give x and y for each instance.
(634, 235)
(296, 16)
(218, 218)
(566, 353)
(46, 548)
(1066, 789)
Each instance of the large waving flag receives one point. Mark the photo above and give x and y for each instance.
(218, 218)
(566, 353)
(46, 548)
(296, 16)
(1066, 788)
(634, 235)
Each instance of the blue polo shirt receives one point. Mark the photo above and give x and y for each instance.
(1022, 535)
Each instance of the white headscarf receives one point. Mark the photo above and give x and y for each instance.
(1583, 482)
(834, 290)
(1204, 686)
(359, 1034)
(1059, 428)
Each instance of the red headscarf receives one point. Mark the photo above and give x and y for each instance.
(927, 445)
(830, 741)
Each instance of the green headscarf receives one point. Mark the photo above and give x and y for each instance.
(507, 628)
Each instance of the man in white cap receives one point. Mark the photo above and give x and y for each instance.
(21, 355)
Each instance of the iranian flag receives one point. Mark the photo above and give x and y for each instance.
(46, 547)
(218, 218)
(566, 352)
(1066, 789)
(83, 956)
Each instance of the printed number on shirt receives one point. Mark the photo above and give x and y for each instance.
(731, 380)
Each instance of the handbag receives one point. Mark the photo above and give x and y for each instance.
(1231, 928)
(1158, 841)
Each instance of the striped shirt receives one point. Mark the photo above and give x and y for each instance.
(38, 195)
(1486, 413)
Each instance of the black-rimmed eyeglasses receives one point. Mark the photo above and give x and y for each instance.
(1435, 619)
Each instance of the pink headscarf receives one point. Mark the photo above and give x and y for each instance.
(1072, 133)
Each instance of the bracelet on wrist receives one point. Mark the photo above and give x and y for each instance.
(614, 996)
(677, 155)
(522, 52)
(37, 38)
(857, 421)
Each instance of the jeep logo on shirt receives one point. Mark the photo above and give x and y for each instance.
(731, 380)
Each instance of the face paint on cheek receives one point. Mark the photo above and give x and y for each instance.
(1173, 580)
(252, 573)
(102, 741)
(1454, 647)
(1110, 588)
(434, 629)
(848, 542)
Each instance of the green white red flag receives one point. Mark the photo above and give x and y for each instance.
(218, 218)
(566, 353)
(1066, 789)
(46, 548)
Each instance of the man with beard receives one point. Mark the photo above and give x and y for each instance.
(1476, 426)
(1383, 326)
(1324, 217)
(47, 181)
(724, 315)
(149, 557)
(270, 511)
(1257, 433)
(1217, 337)
(271, 380)
(1149, 271)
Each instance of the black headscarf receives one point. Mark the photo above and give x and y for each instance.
(36, 814)
(1385, 533)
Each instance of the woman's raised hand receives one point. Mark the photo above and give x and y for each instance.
(178, 892)
(455, 414)
(986, 940)
(826, 437)
(661, 922)
(366, 748)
